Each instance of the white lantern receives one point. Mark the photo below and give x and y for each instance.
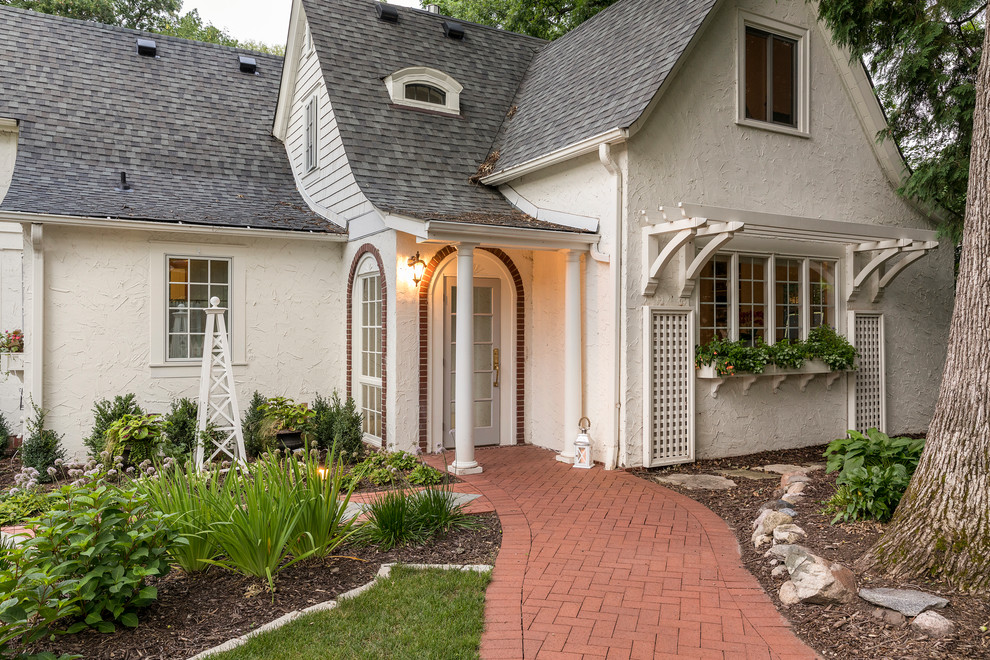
(582, 445)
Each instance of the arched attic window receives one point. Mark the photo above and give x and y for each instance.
(426, 89)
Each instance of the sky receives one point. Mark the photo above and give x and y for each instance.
(255, 20)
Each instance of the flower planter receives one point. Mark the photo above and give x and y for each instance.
(777, 375)
(12, 363)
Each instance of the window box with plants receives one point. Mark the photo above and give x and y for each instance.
(825, 352)
(12, 352)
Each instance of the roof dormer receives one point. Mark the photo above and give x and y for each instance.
(424, 88)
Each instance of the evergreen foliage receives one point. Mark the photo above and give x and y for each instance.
(923, 56)
(105, 413)
(179, 426)
(4, 435)
(42, 447)
(255, 440)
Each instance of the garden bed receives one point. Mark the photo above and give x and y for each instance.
(848, 631)
(194, 613)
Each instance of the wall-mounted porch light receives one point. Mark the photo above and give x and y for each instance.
(418, 268)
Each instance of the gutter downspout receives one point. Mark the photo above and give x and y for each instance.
(608, 162)
(37, 336)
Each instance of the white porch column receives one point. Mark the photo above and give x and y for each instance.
(464, 462)
(572, 353)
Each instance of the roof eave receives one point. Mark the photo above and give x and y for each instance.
(441, 231)
(586, 146)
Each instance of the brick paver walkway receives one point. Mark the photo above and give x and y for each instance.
(599, 564)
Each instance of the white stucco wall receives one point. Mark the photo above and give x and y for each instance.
(99, 341)
(692, 150)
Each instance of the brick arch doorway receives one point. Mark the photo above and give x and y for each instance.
(490, 263)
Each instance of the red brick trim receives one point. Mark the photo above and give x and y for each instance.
(368, 248)
(424, 314)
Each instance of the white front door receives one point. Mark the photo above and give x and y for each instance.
(487, 376)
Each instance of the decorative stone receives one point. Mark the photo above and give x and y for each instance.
(698, 481)
(890, 616)
(909, 602)
(933, 624)
(781, 551)
(778, 571)
(788, 594)
(759, 519)
(789, 479)
(791, 498)
(759, 538)
(790, 512)
(776, 505)
(773, 520)
(819, 581)
(747, 474)
(788, 534)
(783, 468)
(795, 489)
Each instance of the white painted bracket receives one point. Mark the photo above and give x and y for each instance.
(909, 251)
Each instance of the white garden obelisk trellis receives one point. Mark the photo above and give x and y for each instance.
(217, 397)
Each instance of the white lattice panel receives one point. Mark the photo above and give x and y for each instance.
(870, 391)
(670, 388)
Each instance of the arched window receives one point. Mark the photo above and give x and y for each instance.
(424, 88)
(367, 335)
(425, 94)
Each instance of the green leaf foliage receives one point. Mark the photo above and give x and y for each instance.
(546, 19)
(923, 56)
(136, 438)
(105, 413)
(179, 427)
(874, 471)
(338, 423)
(255, 441)
(42, 447)
(734, 357)
(4, 435)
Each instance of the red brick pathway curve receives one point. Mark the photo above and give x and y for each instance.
(601, 564)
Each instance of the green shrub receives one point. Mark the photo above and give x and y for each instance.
(874, 471)
(108, 539)
(254, 442)
(186, 495)
(179, 427)
(137, 438)
(43, 446)
(424, 475)
(338, 423)
(34, 598)
(4, 435)
(105, 413)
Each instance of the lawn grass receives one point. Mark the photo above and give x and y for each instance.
(414, 613)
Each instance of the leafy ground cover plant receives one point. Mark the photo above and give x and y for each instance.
(42, 448)
(424, 475)
(104, 541)
(105, 413)
(34, 598)
(179, 427)
(136, 438)
(26, 499)
(874, 471)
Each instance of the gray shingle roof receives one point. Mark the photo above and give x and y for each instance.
(191, 131)
(599, 76)
(411, 162)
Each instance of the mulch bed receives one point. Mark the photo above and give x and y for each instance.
(194, 613)
(848, 631)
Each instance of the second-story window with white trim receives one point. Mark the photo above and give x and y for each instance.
(773, 75)
(744, 297)
(312, 133)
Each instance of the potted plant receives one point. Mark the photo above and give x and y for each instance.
(12, 351)
(288, 422)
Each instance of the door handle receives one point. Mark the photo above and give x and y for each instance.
(495, 365)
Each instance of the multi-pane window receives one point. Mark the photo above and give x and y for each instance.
(425, 94)
(787, 294)
(370, 349)
(771, 82)
(191, 284)
(740, 297)
(312, 128)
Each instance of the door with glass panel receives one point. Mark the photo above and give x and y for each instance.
(486, 379)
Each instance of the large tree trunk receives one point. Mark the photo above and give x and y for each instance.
(941, 529)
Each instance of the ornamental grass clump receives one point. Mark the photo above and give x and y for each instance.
(322, 498)
(399, 517)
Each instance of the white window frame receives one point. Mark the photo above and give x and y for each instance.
(770, 293)
(312, 133)
(367, 268)
(396, 86)
(308, 48)
(799, 34)
(158, 303)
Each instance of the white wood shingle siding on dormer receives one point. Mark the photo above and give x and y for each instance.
(331, 184)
